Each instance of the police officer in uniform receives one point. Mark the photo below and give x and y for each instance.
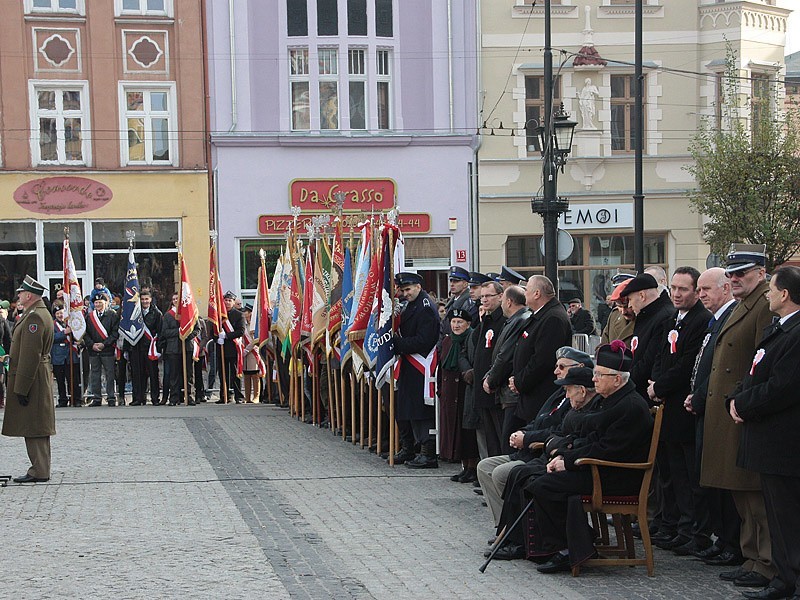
(416, 345)
(509, 277)
(30, 412)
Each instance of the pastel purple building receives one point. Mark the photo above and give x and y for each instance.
(376, 98)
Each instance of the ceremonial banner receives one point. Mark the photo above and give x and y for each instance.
(283, 319)
(131, 324)
(321, 292)
(308, 294)
(366, 302)
(386, 321)
(187, 308)
(73, 299)
(275, 290)
(347, 306)
(296, 298)
(337, 273)
(214, 297)
(261, 308)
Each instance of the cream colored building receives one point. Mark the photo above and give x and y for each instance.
(687, 36)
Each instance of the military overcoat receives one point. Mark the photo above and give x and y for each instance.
(733, 357)
(30, 374)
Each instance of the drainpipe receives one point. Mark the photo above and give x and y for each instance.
(232, 32)
(207, 116)
(474, 209)
(450, 59)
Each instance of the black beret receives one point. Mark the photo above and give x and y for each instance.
(577, 376)
(575, 355)
(459, 313)
(643, 281)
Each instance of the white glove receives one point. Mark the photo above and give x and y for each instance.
(221, 336)
(221, 341)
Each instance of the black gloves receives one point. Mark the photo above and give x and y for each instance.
(23, 400)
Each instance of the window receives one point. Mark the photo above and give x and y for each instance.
(249, 262)
(357, 88)
(719, 98)
(327, 17)
(356, 17)
(383, 18)
(534, 106)
(587, 272)
(149, 124)
(161, 8)
(296, 18)
(299, 89)
(623, 97)
(328, 88)
(760, 100)
(59, 116)
(57, 6)
(17, 255)
(384, 89)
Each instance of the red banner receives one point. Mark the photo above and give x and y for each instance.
(409, 223)
(362, 195)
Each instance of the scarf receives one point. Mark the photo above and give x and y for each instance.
(451, 360)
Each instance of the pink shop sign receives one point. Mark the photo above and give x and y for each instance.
(62, 195)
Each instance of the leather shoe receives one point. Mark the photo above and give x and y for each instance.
(510, 552)
(768, 593)
(97, 403)
(661, 536)
(478, 491)
(711, 552)
(423, 462)
(751, 579)
(469, 476)
(732, 575)
(725, 558)
(678, 540)
(690, 547)
(30, 479)
(457, 476)
(559, 562)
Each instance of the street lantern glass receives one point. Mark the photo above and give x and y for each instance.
(564, 128)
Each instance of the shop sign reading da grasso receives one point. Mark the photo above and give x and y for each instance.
(362, 195)
(62, 195)
(409, 223)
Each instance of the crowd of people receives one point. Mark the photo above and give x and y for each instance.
(519, 405)
(104, 368)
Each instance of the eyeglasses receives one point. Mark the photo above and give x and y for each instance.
(488, 296)
(599, 374)
(739, 274)
(562, 367)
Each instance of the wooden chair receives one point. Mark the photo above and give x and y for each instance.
(622, 508)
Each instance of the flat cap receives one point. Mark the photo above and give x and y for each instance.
(643, 281)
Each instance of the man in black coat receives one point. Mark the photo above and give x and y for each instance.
(579, 318)
(653, 309)
(679, 343)
(227, 339)
(415, 345)
(486, 335)
(102, 332)
(173, 354)
(716, 505)
(143, 369)
(546, 331)
(767, 406)
(497, 378)
(619, 429)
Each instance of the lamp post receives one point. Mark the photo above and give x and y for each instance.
(555, 135)
(556, 144)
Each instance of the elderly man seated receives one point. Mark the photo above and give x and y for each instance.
(493, 471)
(618, 429)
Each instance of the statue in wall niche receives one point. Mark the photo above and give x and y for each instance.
(586, 102)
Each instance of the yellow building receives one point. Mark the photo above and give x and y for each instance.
(593, 48)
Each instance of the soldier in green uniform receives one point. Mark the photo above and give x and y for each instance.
(30, 412)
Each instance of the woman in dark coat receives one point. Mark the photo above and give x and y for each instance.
(457, 443)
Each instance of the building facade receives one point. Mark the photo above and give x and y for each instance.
(102, 125)
(593, 42)
(374, 98)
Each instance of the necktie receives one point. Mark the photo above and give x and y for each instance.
(711, 322)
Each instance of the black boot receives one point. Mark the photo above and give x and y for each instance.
(425, 459)
(406, 454)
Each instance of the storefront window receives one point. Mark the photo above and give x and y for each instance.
(587, 272)
(54, 245)
(151, 235)
(250, 261)
(13, 268)
(156, 271)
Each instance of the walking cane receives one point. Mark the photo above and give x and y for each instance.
(504, 537)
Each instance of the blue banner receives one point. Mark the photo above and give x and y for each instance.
(131, 325)
(347, 305)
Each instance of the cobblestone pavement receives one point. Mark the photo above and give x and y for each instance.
(245, 502)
